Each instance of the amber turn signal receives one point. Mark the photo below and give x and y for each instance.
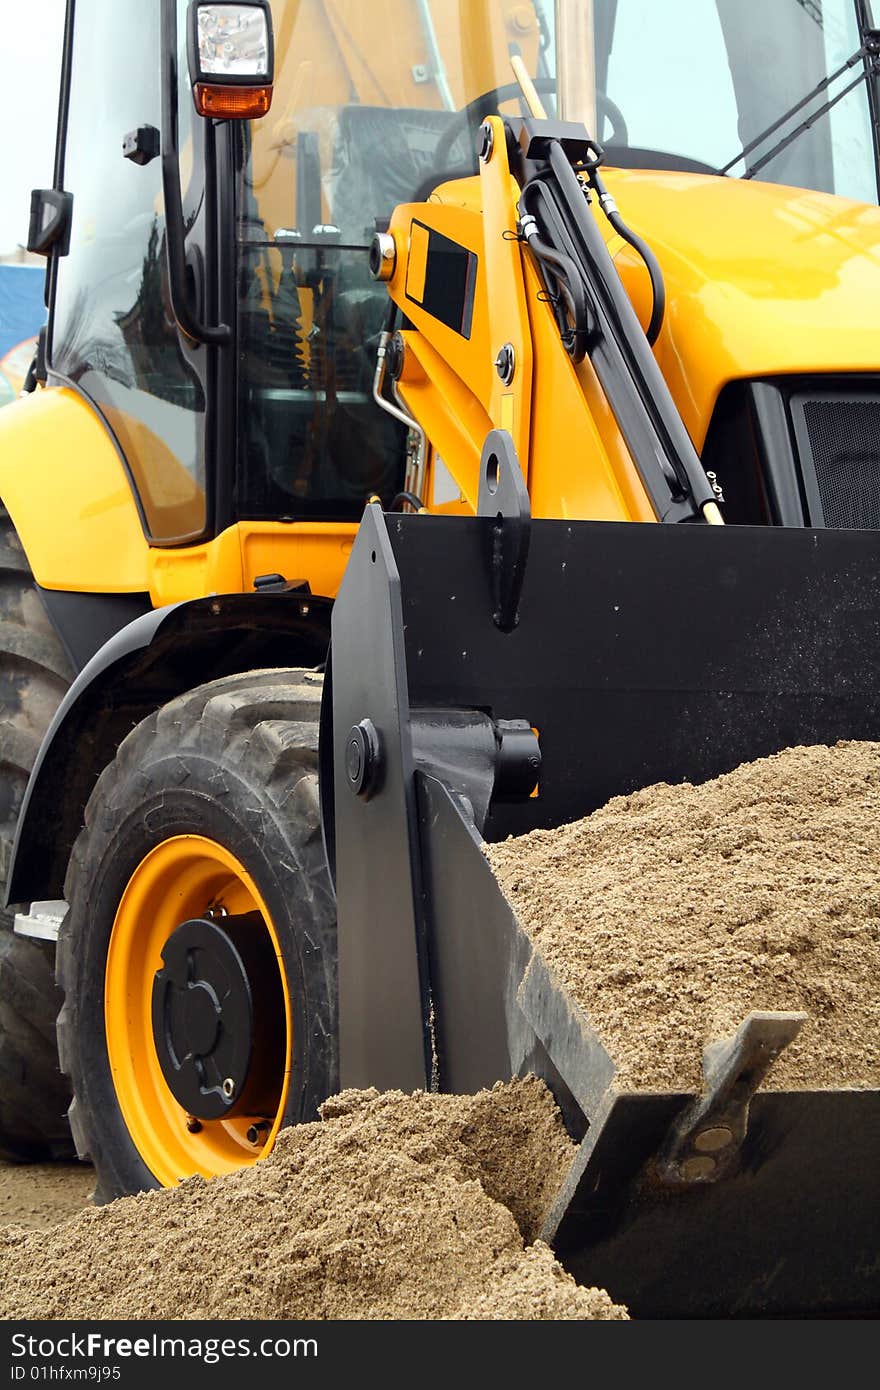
(232, 103)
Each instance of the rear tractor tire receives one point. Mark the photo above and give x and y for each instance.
(198, 958)
(34, 675)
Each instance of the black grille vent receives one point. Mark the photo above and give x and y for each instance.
(842, 439)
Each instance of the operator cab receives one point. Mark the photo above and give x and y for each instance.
(373, 106)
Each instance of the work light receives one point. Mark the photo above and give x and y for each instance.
(231, 58)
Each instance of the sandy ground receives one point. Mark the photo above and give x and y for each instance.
(40, 1195)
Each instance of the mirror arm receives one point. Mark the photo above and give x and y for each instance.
(175, 229)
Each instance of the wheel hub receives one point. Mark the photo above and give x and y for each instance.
(202, 1011)
(218, 1016)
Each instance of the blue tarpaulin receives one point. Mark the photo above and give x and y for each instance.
(22, 311)
(22, 315)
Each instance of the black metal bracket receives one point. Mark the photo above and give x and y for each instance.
(143, 145)
(503, 496)
(705, 1138)
(371, 749)
(533, 135)
(49, 228)
(277, 584)
(384, 1009)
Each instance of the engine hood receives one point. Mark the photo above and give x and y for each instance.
(761, 280)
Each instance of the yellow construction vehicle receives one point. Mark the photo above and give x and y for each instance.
(543, 336)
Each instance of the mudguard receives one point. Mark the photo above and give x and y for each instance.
(148, 662)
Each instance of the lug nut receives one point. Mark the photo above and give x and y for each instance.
(193, 1125)
(256, 1131)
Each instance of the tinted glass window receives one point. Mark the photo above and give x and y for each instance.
(315, 444)
(371, 102)
(113, 331)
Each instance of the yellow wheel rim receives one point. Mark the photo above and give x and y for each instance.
(183, 877)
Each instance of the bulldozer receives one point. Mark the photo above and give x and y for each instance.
(451, 414)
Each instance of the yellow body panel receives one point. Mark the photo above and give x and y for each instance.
(316, 551)
(71, 502)
(568, 443)
(453, 417)
(579, 465)
(509, 404)
(761, 280)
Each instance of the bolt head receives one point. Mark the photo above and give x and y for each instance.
(505, 363)
(710, 1141)
(363, 759)
(354, 761)
(394, 356)
(228, 1088)
(697, 1168)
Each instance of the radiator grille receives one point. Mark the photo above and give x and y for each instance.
(844, 440)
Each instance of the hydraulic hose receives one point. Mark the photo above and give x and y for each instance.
(658, 288)
(410, 499)
(568, 283)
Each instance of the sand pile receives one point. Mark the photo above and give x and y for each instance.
(391, 1207)
(671, 913)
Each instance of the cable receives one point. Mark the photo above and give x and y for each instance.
(410, 498)
(609, 207)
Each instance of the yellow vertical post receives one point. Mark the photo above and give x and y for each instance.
(510, 339)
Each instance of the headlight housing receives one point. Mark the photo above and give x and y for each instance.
(231, 54)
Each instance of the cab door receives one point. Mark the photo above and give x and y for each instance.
(112, 333)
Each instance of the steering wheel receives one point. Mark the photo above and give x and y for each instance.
(470, 116)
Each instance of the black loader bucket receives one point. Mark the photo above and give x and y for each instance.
(641, 653)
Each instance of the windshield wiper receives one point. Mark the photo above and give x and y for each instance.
(870, 49)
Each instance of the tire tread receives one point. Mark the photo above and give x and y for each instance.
(34, 674)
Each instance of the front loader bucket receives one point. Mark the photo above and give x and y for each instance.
(641, 654)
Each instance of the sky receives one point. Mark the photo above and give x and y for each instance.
(30, 69)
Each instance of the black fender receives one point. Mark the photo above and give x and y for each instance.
(85, 621)
(144, 665)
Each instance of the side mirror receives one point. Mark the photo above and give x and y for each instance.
(231, 54)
